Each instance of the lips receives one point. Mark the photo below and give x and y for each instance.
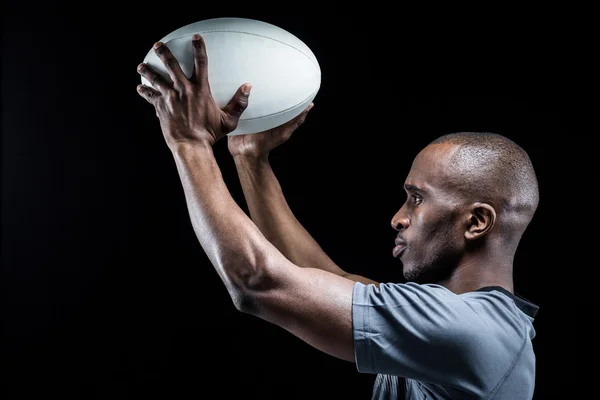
(398, 250)
(400, 246)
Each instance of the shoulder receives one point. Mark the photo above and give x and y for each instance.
(399, 294)
(488, 301)
(474, 317)
(428, 333)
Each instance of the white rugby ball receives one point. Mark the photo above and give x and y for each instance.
(284, 73)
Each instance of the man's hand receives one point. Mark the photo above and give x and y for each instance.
(259, 144)
(186, 109)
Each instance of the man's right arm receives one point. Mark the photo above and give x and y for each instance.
(272, 215)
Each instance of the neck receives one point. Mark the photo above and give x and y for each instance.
(476, 272)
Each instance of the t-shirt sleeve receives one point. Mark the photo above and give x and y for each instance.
(428, 333)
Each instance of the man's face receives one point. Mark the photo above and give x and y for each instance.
(429, 221)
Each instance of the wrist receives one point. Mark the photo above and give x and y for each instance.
(180, 147)
(251, 161)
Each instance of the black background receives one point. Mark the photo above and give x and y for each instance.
(108, 293)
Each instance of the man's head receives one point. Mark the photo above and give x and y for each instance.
(470, 196)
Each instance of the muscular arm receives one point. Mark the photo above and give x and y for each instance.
(314, 305)
(272, 215)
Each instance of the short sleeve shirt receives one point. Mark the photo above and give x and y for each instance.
(425, 342)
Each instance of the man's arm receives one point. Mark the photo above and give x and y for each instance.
(271, 213)
(312, 304)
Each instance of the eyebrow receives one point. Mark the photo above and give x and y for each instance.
(414, 188)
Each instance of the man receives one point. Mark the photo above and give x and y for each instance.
(455, 330)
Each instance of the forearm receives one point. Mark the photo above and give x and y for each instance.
(271, 213)
(232, 242)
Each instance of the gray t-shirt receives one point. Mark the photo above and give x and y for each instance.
(425, 342)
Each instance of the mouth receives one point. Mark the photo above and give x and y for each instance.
(398, 250)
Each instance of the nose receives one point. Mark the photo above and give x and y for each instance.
(400, 221)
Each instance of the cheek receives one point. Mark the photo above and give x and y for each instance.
(448, 232)
(436, 230)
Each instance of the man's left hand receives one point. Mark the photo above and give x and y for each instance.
(186, 109)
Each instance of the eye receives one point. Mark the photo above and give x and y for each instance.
(416, 199)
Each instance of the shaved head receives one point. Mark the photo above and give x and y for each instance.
(488, 167)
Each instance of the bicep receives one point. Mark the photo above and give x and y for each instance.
(312, 304)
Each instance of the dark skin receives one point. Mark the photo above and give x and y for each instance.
(451, 239)
(310, 297)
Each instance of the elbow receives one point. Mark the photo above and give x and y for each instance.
(245, 301)
(242, 301)
(244, 287)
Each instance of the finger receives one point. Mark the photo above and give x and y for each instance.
(238, 103)
(171, 64)
(299, 120)
(157, 80)
(151, 95)
(200, 60)
(289, 127)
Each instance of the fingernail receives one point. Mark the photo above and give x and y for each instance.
(246, 89)
(196, 37)
(139, 67)
(311, 105)
(157, 45)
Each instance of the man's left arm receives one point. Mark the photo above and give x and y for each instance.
(312, 304)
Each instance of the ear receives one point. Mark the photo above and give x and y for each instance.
(481, 219)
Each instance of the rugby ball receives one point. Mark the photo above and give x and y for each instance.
(284, 73)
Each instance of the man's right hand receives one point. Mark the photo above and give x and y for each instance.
(258, 145)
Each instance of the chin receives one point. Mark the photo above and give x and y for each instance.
(424, 273)
(411, 273)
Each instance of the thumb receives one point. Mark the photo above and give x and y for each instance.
(237, 104)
